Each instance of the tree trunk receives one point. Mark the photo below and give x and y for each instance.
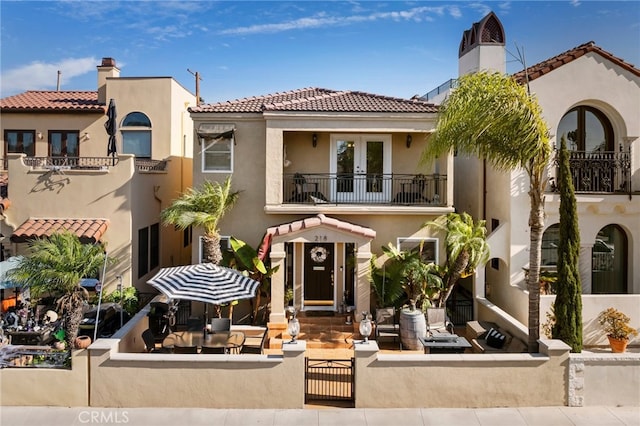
(72, 317)
(536, 225)
(455, 273)
(211, 249)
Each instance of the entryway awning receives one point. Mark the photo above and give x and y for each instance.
(319, 220)
(89, 231)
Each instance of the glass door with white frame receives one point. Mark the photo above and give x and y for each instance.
(360, 163)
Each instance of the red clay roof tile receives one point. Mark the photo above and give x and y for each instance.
(53, 101)
(87, 230)
(321, 219)
(319, 100)
(550, 64)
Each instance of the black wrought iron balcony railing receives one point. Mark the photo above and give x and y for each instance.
(71, 163)
(601, 171)
(90, 163)
(344, 188)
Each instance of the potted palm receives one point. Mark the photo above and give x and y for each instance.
(616, 325)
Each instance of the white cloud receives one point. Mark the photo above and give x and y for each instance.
(425, 13)
(44, 76)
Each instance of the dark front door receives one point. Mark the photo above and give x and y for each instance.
(318, 274)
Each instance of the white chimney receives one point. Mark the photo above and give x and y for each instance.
(107, 69)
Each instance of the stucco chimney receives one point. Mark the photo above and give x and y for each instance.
(107, 69)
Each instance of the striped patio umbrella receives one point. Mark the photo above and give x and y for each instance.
(204, 282)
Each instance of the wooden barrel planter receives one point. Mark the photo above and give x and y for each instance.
(413, 325)
(82, 342)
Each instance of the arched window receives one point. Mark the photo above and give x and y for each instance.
(609, 261)
(136, 135)
(589, 138)
(586, 129)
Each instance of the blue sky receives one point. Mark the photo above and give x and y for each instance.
(243, 48)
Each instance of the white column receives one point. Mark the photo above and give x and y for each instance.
(363, 286)
(277, 256)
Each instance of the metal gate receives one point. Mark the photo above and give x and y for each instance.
(329, 380)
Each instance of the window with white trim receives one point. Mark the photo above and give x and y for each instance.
(136, 135)
(216, 145)
(429, 247)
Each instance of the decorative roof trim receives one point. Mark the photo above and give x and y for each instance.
(545, 67)
(319, 220)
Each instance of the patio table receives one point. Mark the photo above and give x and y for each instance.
(22, 337)
(231, 341)
(453, 344)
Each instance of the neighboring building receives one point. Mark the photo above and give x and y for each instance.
(328, 178)
(58, 174)
(593, 99)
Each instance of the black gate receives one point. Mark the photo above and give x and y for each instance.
(329, 380)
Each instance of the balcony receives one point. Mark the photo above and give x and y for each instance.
(599, 172)
(90, 163)
(369, 189)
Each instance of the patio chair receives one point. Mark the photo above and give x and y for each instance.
(220, 324)
(386, 324)
(149, 340)
(177, 349)
(252, 345)
(438, 321)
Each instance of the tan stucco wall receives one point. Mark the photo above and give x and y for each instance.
(464, 380)
(47, 387)
(40, 193)
(130, 199)
(207, 381)
(258, 170)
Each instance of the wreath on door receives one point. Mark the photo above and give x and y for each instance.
(318, 254)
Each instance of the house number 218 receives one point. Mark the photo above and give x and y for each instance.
(320, 238)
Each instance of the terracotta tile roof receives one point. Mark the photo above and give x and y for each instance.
(319, 100)
(88, 230)
(313, 221)
(53, 101)
(4, 205)
(549, 65)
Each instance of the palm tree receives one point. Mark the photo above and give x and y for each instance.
(419, 280)
(491, 116)
(55, 266)
(467, 248)
(205, 207)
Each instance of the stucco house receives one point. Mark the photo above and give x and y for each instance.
(592, 98)
(327, 178)
(57, 173)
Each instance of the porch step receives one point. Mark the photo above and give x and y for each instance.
(322, 332)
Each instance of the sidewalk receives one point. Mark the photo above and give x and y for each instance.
(542, 416)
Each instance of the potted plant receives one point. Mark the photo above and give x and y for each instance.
(616, 325)
(59, 336)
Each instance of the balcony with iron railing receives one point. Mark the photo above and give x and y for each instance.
(88, 163)
(371, 189)
(599, 172)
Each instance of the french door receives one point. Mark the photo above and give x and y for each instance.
(362, 166)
